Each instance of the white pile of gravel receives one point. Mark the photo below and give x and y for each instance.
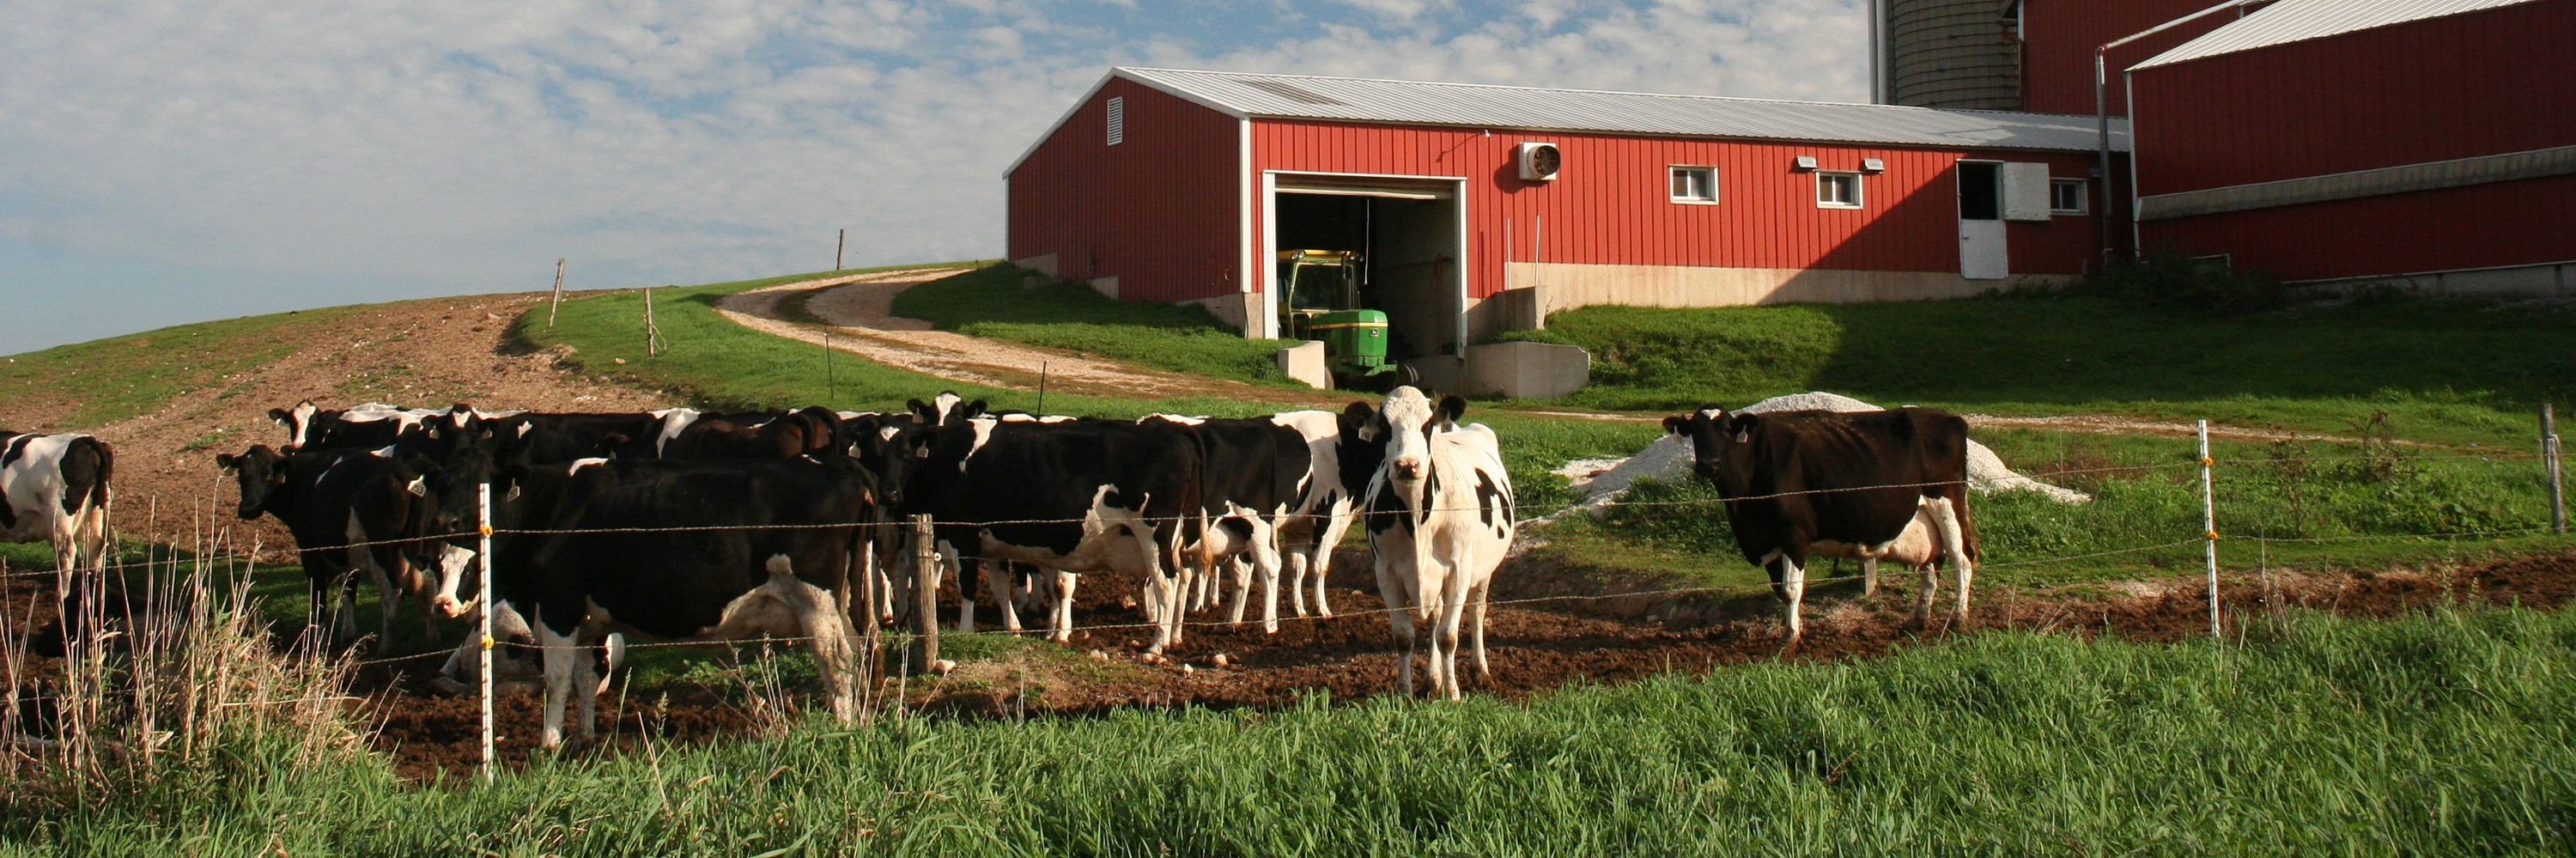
(1602, 481)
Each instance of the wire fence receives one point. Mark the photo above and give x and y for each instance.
(224, 554)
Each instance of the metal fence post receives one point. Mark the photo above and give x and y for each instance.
(2209, 524)
(2550, 470)
(483, 559)
(925, 584)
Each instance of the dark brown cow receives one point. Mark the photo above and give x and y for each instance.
(1803, 484)
(755, 436)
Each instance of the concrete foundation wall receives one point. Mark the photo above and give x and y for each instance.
(1535, 289)
(2526, 281)
(1042, 264)
(1229, 311)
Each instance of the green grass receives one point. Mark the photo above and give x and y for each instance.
(2444, 370)
(2306, 505)
(2451, 733)
(993, 302)
(103, 381)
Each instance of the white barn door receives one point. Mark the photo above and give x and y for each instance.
(1981, 222)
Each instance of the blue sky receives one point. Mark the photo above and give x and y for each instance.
(167, 161)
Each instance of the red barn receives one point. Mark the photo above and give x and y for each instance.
(2342, 139)
(1477, 208)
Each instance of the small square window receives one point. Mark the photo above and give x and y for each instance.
(2066, 196)
(1694, 184)
(1838, 190)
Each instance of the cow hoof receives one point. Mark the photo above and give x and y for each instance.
(1097, 655)
(1220, 660)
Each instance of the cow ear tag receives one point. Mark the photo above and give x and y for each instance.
(513, 495)
(1743, 435)
(419, 487)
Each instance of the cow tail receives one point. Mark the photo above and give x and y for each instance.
(100, 494)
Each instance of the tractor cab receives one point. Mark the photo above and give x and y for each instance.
(1320, 300)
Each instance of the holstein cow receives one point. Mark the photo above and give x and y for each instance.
(1340, 464)
(1804, 484)
(374, 425)
(56, 488)
(348, 510)
(1253, 474)
(724, 550)
(1440, 519)
(1073, 496)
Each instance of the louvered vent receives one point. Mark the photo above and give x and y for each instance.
(1117, 119)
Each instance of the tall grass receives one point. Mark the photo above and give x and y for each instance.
(2443, 734)
(156, 675)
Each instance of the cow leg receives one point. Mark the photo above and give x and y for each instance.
(1868, 575)
(1453, 603)
(1789, 581)
(1065, 582)
(558, 653)
(998, 580)
(1399, 615)
(968, 572)
(1323, 559)
(1476, 627)
(1298, 563)
(1945, 518)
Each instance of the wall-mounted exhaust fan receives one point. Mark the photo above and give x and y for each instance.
(1539, 161)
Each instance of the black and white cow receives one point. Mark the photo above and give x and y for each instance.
(376, 425)
(1340, 463)
(349, 511)
(1440, 520)
(1253, 477)
(720, 550)
(56, 488)
(1069, 496)
(1805, 484)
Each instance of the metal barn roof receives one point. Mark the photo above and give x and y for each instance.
(2300, 20)
(1527, 108)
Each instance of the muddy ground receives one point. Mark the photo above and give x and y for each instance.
(1534, 647)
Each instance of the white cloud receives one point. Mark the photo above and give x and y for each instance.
(461, 146)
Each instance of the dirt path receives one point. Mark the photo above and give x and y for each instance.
(858, 319)
(417, 353)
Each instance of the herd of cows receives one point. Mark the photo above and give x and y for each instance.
(685, 525)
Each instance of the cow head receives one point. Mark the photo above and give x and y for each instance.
(259, 472)
(888, 445)
(1407, 421)
(1362, 448)
(297, 421)
(1722, 445)
(945, 408)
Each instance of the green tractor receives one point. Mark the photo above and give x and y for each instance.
(1320, 300)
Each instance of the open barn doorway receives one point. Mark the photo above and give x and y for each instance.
(1400, 239)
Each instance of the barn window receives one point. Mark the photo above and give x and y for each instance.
(1694, 184)
(1838, 190)
(1117, 119)
(2066, 196)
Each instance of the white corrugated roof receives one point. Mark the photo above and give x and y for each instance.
(2299, 20)
(1534, 109)
(1400, 102)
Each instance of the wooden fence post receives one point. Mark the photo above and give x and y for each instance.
(837, 246)
(2549, 466)
(925, 589)
(558, 303)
